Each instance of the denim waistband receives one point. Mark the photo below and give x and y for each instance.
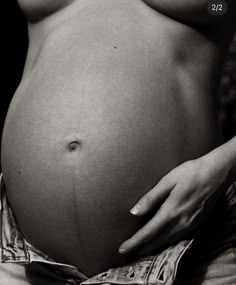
(156, 269)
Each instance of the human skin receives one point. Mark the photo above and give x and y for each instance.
(110, 101)
(183, 199)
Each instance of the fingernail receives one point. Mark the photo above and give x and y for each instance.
(136, 210)
(122, 250)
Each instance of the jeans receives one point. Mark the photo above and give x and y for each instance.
(207, 259)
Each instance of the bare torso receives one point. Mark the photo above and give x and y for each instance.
(113, 96)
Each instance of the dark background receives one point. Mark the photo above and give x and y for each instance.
(227, 94)
(15, 47)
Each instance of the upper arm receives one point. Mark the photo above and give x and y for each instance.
(191, 11)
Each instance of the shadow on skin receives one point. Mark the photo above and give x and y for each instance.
(40, 274)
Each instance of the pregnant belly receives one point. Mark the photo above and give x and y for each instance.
(74, 170)
(82, 145)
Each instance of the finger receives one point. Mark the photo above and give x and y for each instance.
(154, 196)
(163, 241)
(169, 235)
(161, 221)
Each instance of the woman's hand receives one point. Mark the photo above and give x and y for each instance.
(182, 199)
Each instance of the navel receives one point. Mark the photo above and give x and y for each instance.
(74, 145)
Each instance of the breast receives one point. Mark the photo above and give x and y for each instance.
(36, 11)
(94, 125)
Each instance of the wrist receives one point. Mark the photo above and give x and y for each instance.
(220, 159)
(227, 153)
